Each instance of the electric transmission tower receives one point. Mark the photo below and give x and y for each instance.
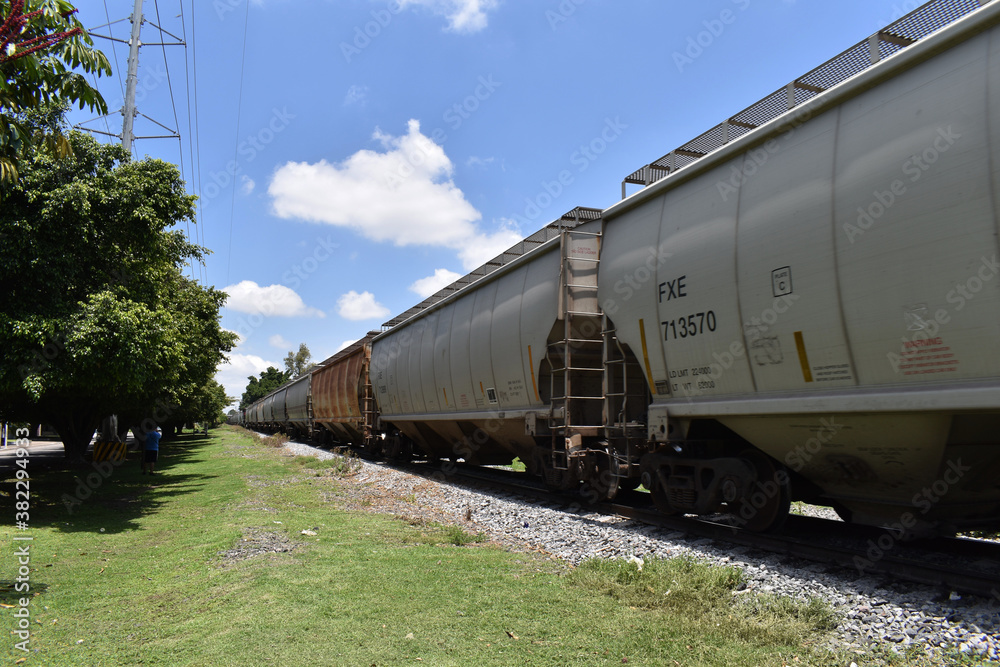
(129, 110)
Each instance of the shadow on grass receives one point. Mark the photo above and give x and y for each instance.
(12, 591)
(108, 497)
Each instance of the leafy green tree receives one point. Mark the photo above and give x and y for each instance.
(96, 317)
(206, 405)
(41, 44)
(270, 380)
(187, 395)
(297, 363)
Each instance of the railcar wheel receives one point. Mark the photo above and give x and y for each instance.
(660, 499)
(371, 449)
(393, 447)
(764, 506)
(600, 487)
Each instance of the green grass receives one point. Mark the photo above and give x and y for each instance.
(705, 599)
(341, 465)
(137, 575)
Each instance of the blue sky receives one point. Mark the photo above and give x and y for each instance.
(357, 155)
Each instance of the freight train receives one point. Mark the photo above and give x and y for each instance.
(803, 303)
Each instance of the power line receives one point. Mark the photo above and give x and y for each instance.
(114, 51)
(236, 144)
(193, 139)
(104, 117)
(173, 105)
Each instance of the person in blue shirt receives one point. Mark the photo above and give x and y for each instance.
(152, 450)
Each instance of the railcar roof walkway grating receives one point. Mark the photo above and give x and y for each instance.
(913, 27)
(569, 220)
(346, 352)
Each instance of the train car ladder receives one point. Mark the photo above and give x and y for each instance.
(309, 413)
(618, 427)
(368, 411)
(577, 358)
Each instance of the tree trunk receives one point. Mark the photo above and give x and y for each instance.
(140, 436)
(133, 420)
(75, 430)
(123, 429)
(109, 429)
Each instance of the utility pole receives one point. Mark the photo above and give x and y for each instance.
(129, 110)
(109, 425)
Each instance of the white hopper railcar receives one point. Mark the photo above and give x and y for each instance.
(827, 293)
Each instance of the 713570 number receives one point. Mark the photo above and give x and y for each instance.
(689, 326)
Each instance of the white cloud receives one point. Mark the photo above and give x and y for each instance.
(476, 161)
(278, 341)
(463, 15)
(403, 194)
(273, 300)
(233, 375)
(356, 95)
(345, 345)
(486, 247)
(431, 284)
(247, 184)
(354, 306)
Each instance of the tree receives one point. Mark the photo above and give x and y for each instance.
(190, 396)
(41, 43)
(97, 317)
(270, 380)
(298, 363)
(205, 405)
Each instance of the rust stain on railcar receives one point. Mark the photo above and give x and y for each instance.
(336, 388)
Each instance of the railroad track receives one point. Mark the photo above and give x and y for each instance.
(961, 565)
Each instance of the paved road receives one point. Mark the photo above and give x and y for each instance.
(47, 452)
(38, 449)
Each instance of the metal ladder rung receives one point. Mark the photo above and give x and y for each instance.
(585, 398)
(556, 371)
(584, 313)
